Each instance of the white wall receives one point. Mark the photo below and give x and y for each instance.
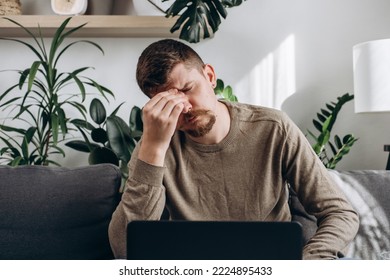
(299, 50)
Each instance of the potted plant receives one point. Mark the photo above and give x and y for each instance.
(40, 100)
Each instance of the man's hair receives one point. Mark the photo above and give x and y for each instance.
(157, 61)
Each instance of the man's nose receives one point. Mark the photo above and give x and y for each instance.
(187, 107)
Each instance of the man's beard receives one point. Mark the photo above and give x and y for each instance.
(203, 125)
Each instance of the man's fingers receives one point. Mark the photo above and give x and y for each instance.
(155, 99)
(164, 103)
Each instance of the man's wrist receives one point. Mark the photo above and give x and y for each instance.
(152, 154)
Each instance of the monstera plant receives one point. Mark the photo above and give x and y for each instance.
(326, 120)
(38, 104)
(198, 18)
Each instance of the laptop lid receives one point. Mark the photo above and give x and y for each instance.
(206, 240)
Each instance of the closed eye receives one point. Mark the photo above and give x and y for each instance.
(185, 89)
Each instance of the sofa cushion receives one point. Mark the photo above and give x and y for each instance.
(57, 212)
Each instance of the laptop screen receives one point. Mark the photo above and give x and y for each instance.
(207, 240)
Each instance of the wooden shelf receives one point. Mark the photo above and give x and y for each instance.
(97, 26)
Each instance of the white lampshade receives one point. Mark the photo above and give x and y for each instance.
(371, 70)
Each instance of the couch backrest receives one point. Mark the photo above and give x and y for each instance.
(56, 212)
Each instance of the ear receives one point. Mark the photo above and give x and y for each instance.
(210, 75)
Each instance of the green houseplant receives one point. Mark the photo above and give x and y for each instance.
(198, 18)
(324, 124)
(109, 139)
(40, 99)
(224, 92)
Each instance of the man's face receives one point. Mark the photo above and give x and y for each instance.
(198, 116)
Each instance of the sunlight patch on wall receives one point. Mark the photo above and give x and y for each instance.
(272, 80)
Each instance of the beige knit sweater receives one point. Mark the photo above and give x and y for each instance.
(241, 178)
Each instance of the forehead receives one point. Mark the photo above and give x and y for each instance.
(182, 75)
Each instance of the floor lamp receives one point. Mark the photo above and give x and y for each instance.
(371, 73)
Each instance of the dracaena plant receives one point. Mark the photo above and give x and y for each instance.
(198, 18)
(41, 99)
(326, 120)
(109, 139)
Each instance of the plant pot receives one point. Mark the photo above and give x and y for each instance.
(140, 7)
(10, 7)
(100, 7)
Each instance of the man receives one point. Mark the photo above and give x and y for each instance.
(206, 159)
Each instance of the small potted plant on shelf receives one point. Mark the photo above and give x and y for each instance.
(40, 100)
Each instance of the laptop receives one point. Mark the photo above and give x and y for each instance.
(210, 240)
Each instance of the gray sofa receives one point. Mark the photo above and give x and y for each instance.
(57, 213)
(63, 213)
(369, 193)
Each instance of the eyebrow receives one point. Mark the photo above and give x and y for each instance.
(186, 85)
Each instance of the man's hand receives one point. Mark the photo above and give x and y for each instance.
(160, 116)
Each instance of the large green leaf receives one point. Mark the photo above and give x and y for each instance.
(118, 133)
(82, 123)
(197, 18)
(99, 135)
(81, 146)
(97, 111)
(135, 120)
(103, 155)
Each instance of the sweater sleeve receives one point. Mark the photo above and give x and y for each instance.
(143, 199)
(337, 221)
